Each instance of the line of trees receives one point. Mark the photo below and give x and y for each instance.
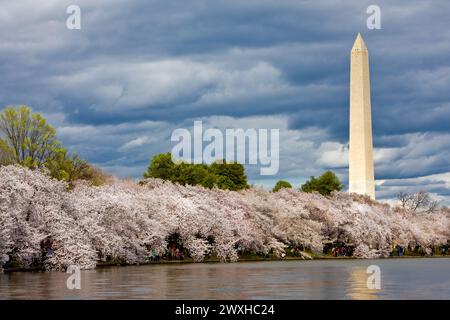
(228, 176)
(324, 184)
(223, 175)
(28, 140)
(124, 222)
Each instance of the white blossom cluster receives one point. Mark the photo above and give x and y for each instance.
(127, 221)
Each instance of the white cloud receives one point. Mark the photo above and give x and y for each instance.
(332, 155)
(438, 185)
(122, 86)
(137, 142)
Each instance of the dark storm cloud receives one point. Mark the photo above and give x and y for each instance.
(139, 62)
(308, 43)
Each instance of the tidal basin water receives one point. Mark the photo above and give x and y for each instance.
(320, 279)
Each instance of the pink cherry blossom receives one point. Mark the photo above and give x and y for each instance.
(127, 222)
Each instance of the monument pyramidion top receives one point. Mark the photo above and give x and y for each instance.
(359, 44)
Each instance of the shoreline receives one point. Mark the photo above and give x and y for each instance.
(190, 261)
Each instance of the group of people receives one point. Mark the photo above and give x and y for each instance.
(430, 251)
(339, 251)
(174, 252)
(338, 248)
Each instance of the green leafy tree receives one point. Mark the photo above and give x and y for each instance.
(325, 184)
(210, 181)
(27, 138)
(192, 174)
(70, 168)
(230, 176)
(224, 175)
(161, 167)
(281, 184)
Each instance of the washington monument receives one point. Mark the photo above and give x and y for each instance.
(361, 173)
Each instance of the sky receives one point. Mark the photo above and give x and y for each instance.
(116, 89)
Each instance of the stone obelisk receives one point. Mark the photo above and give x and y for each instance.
(361, 172)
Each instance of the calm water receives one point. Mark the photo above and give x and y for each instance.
(325, 279)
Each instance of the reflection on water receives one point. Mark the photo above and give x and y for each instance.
(325, 279)
(358, 285)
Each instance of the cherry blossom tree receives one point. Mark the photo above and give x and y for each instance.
(43, 222)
